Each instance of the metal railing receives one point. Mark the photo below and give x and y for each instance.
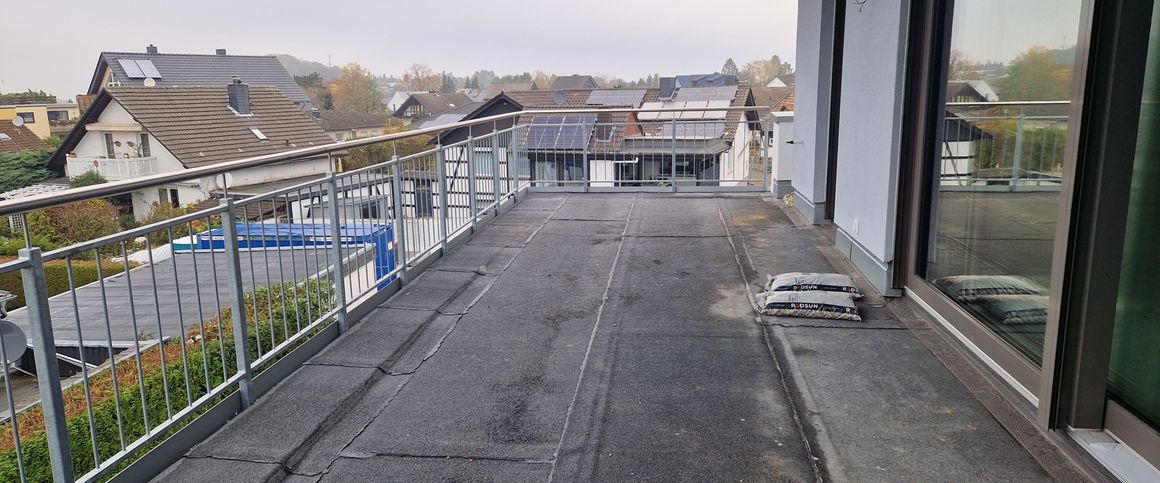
(1003, 146)
(134, 335)
(112, 168)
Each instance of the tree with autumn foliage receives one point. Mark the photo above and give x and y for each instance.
(378, 153)
(420, 77)
(1039, 74)
(764, 70)
(356, 90)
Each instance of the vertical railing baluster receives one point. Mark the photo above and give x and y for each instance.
(471, 188)
(441, 173)
(673, 161)
(400, 232)
(237, 301)
(47, 368)
(495, 168)
(336, 250)
(1017, 163)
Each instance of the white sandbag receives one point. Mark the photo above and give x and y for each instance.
(1013, 309)
(969, 288)
(814, 305)
(813, 282)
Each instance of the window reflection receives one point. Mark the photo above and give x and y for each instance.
(1003, 131)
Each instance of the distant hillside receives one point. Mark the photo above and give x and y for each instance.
(296, 66)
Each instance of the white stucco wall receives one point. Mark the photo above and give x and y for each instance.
(815, 38)
(870, 125)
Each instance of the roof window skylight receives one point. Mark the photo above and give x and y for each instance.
(5, 137)
(258, 134)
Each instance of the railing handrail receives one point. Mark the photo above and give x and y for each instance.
(1007, 103)
(48, 200)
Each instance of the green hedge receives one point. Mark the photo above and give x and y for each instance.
(56, 278)
(265, 318)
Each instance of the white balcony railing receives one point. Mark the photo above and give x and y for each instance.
(112, 168)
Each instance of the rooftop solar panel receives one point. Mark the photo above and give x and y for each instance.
(716, 105)
(699, 130)
(148, 69)
(131, 68)
(560, 132)
(616, 97)
(722, 93)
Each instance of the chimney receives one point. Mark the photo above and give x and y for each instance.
(668, 85)
(239, 96)
(151, 49)
(220, 51)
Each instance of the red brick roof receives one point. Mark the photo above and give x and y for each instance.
(18, 138)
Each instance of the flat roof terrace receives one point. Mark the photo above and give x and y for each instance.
(610, 337)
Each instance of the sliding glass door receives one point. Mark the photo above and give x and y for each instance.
(1134, 368)
(998, 173)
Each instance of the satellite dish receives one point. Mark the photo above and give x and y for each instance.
(149, 82)
(15, 343)
(18, 121)
(226, 180)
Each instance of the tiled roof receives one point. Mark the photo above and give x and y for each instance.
(548, 99)
(347, 120)
(570, 82)
(204, 70)
(770, 96)
(197, 125)
(435, 103)
(786, 103)
(19, 138)
(495, 88)
(454, 115)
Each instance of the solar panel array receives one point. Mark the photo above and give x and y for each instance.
(722, 93)
(701, 130)
(560, 132)
(616, 97)
(701, 114)
(139, 69)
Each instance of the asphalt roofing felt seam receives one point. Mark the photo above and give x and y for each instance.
(591, 339)
(342, 453)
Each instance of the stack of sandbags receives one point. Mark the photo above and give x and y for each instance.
(811, 295)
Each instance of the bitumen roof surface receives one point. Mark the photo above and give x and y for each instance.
(609, 337)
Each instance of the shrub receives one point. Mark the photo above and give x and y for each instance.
(75, 223)
(210, 353)
(89, 178)
(24, 168)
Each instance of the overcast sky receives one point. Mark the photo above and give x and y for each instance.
(627, 38)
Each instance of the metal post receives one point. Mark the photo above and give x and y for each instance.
(441, 172)
(471, 201)
(237, 301)
(673, 173)
(587, 175)
(1018, 151)
(47, 368)
(495, 169)
(27, 230)
(399, 231)
(336, 251)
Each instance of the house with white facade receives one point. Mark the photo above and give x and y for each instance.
(130, 132)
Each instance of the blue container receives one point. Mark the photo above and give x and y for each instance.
(263, 236)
